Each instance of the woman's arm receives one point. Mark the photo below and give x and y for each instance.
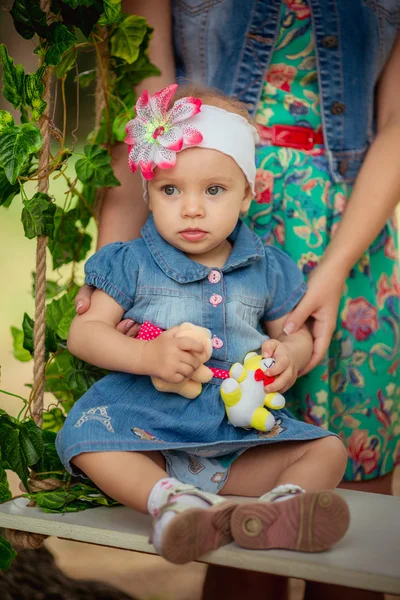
(373, 200)
(377, 188)
(123, 211)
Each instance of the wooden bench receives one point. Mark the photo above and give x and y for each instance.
(368, 557)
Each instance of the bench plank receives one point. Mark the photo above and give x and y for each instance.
(368, 557)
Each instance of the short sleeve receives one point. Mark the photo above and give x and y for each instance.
(285, 283)
(114, 270)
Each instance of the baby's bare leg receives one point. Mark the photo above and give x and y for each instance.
(313, 465)
(125, 476)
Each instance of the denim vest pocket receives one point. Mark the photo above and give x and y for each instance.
(194, 7)
(387, 9)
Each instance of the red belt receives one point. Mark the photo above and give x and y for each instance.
(302, 138)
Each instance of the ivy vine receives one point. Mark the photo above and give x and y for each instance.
(72, 27)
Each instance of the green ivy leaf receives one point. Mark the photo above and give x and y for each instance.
(95, 169)
(49, 461)
(29, 18)
(86, 78)
(31, 441)
(13, 78)
(69, 243)
(5, 492)
(60, 39)
(82, 211)
(80, 376)
(16, 145)
(55, 380)
(7, 190)
(33, 91)
(128, 36)
(53, 420)
(75, 498)
(38, 216)
(52, 287)
(76, 3)
(60, 313)
(28, 325)
(18, 349)
(66, 64)
(83, 17)
(119, 124)
(112, 12)
(7, 553)
(6, 120)
(12, 454)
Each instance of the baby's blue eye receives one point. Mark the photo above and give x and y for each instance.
(215, 190)
(170, 190)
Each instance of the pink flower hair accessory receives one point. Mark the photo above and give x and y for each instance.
(156, 134)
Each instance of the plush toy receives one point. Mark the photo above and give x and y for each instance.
(191, 388)
(244, 397)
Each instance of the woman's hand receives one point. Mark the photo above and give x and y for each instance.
(285, 369)
(82, 304)
(320, 308)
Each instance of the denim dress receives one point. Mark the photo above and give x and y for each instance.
(154, 281)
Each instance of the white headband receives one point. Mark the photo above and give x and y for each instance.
(155, 135)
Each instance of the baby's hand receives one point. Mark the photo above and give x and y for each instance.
(171, 358)
(285, 369)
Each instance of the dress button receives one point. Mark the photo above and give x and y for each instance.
(338, 108)
(217, 343)
(215, 299)
(214, 276)
(330, 41)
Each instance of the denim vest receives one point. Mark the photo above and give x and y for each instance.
(227, 44)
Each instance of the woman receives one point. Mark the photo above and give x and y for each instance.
(322, 79)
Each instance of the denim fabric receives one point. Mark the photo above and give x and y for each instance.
(124, 412)
(230, 49)
(207, 474)
(153, 281)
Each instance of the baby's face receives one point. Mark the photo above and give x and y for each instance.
(196, 204)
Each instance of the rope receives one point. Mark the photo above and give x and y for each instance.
(39, 331)
(20, 539)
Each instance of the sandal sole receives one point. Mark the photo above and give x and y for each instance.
(310, 522)
(197, 531)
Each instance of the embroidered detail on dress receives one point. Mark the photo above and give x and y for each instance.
(218, 477)
(276, 430)
(195, 466)
(96, 414)
(144, 435)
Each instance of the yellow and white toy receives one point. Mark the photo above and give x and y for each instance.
(244, 397)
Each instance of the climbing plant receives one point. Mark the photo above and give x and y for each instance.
(39, 150)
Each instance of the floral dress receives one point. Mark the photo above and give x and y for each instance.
(355, 392)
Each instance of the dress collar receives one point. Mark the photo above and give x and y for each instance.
(247, 248)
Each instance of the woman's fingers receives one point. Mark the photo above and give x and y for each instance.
(126, 326)
(83, 298)
(299, 315)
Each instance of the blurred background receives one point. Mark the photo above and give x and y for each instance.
(137, 574)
